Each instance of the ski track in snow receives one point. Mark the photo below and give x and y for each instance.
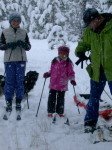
(32, 133)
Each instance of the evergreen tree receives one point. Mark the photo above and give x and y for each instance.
(55, 18)
(24, 12)
(50, 17)
(3, 16)
(74, 12)
(57, 37)
(43, 17)
(36, 29)
(106, 5)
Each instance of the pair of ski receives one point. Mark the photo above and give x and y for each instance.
(8, 113)
(55, 117)
(98, 136)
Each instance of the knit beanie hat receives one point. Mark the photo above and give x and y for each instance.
(64, 49)
(13, 16)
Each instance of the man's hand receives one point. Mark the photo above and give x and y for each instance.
(81, 55)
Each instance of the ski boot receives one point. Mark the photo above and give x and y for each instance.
(50, 115)
(90, 126)
(18, 105)
(89, 129)
(8, 105)
(61, 115)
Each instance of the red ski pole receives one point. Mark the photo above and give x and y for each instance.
(75, 97)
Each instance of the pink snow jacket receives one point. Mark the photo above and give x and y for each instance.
(60, 73)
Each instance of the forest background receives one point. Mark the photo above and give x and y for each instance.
(54, 20)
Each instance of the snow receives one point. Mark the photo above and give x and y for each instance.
(3, 25)
(32, 133)
(57, 37)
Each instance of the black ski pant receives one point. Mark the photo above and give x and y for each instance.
(56, 101)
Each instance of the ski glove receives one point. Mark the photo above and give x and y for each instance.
(3, 46)
(81, 55)
(22, 44)
(73, 82)
(46, 75)
(11, 45)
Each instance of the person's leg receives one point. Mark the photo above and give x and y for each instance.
(9, 84)
(51, 101)
(20, 74)
(92, 110)
(60, 102)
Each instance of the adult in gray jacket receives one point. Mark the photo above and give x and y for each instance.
(15, 42)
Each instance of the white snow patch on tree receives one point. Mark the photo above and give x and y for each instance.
(57, 37)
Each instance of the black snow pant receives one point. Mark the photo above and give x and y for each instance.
(56, 101)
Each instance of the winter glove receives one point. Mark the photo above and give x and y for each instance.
(46, 75)
(73, 82)
(11, 45)
(3, 47)
(81, 55)
(22, 44)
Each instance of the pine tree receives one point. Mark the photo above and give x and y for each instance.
(55, 18)
(36, 29)
(74, 12)
(57, 37)
(42, 17)
(51, 16)
(3, 16)
(106, 5)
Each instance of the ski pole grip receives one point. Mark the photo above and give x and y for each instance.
(78, 61)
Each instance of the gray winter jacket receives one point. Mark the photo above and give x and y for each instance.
(17, 54)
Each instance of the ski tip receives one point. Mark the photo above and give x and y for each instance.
(5, 117)
(67, 122)
(18, 117)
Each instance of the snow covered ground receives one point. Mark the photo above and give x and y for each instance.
(39, 133)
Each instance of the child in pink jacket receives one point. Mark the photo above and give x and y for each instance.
(60, 73)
